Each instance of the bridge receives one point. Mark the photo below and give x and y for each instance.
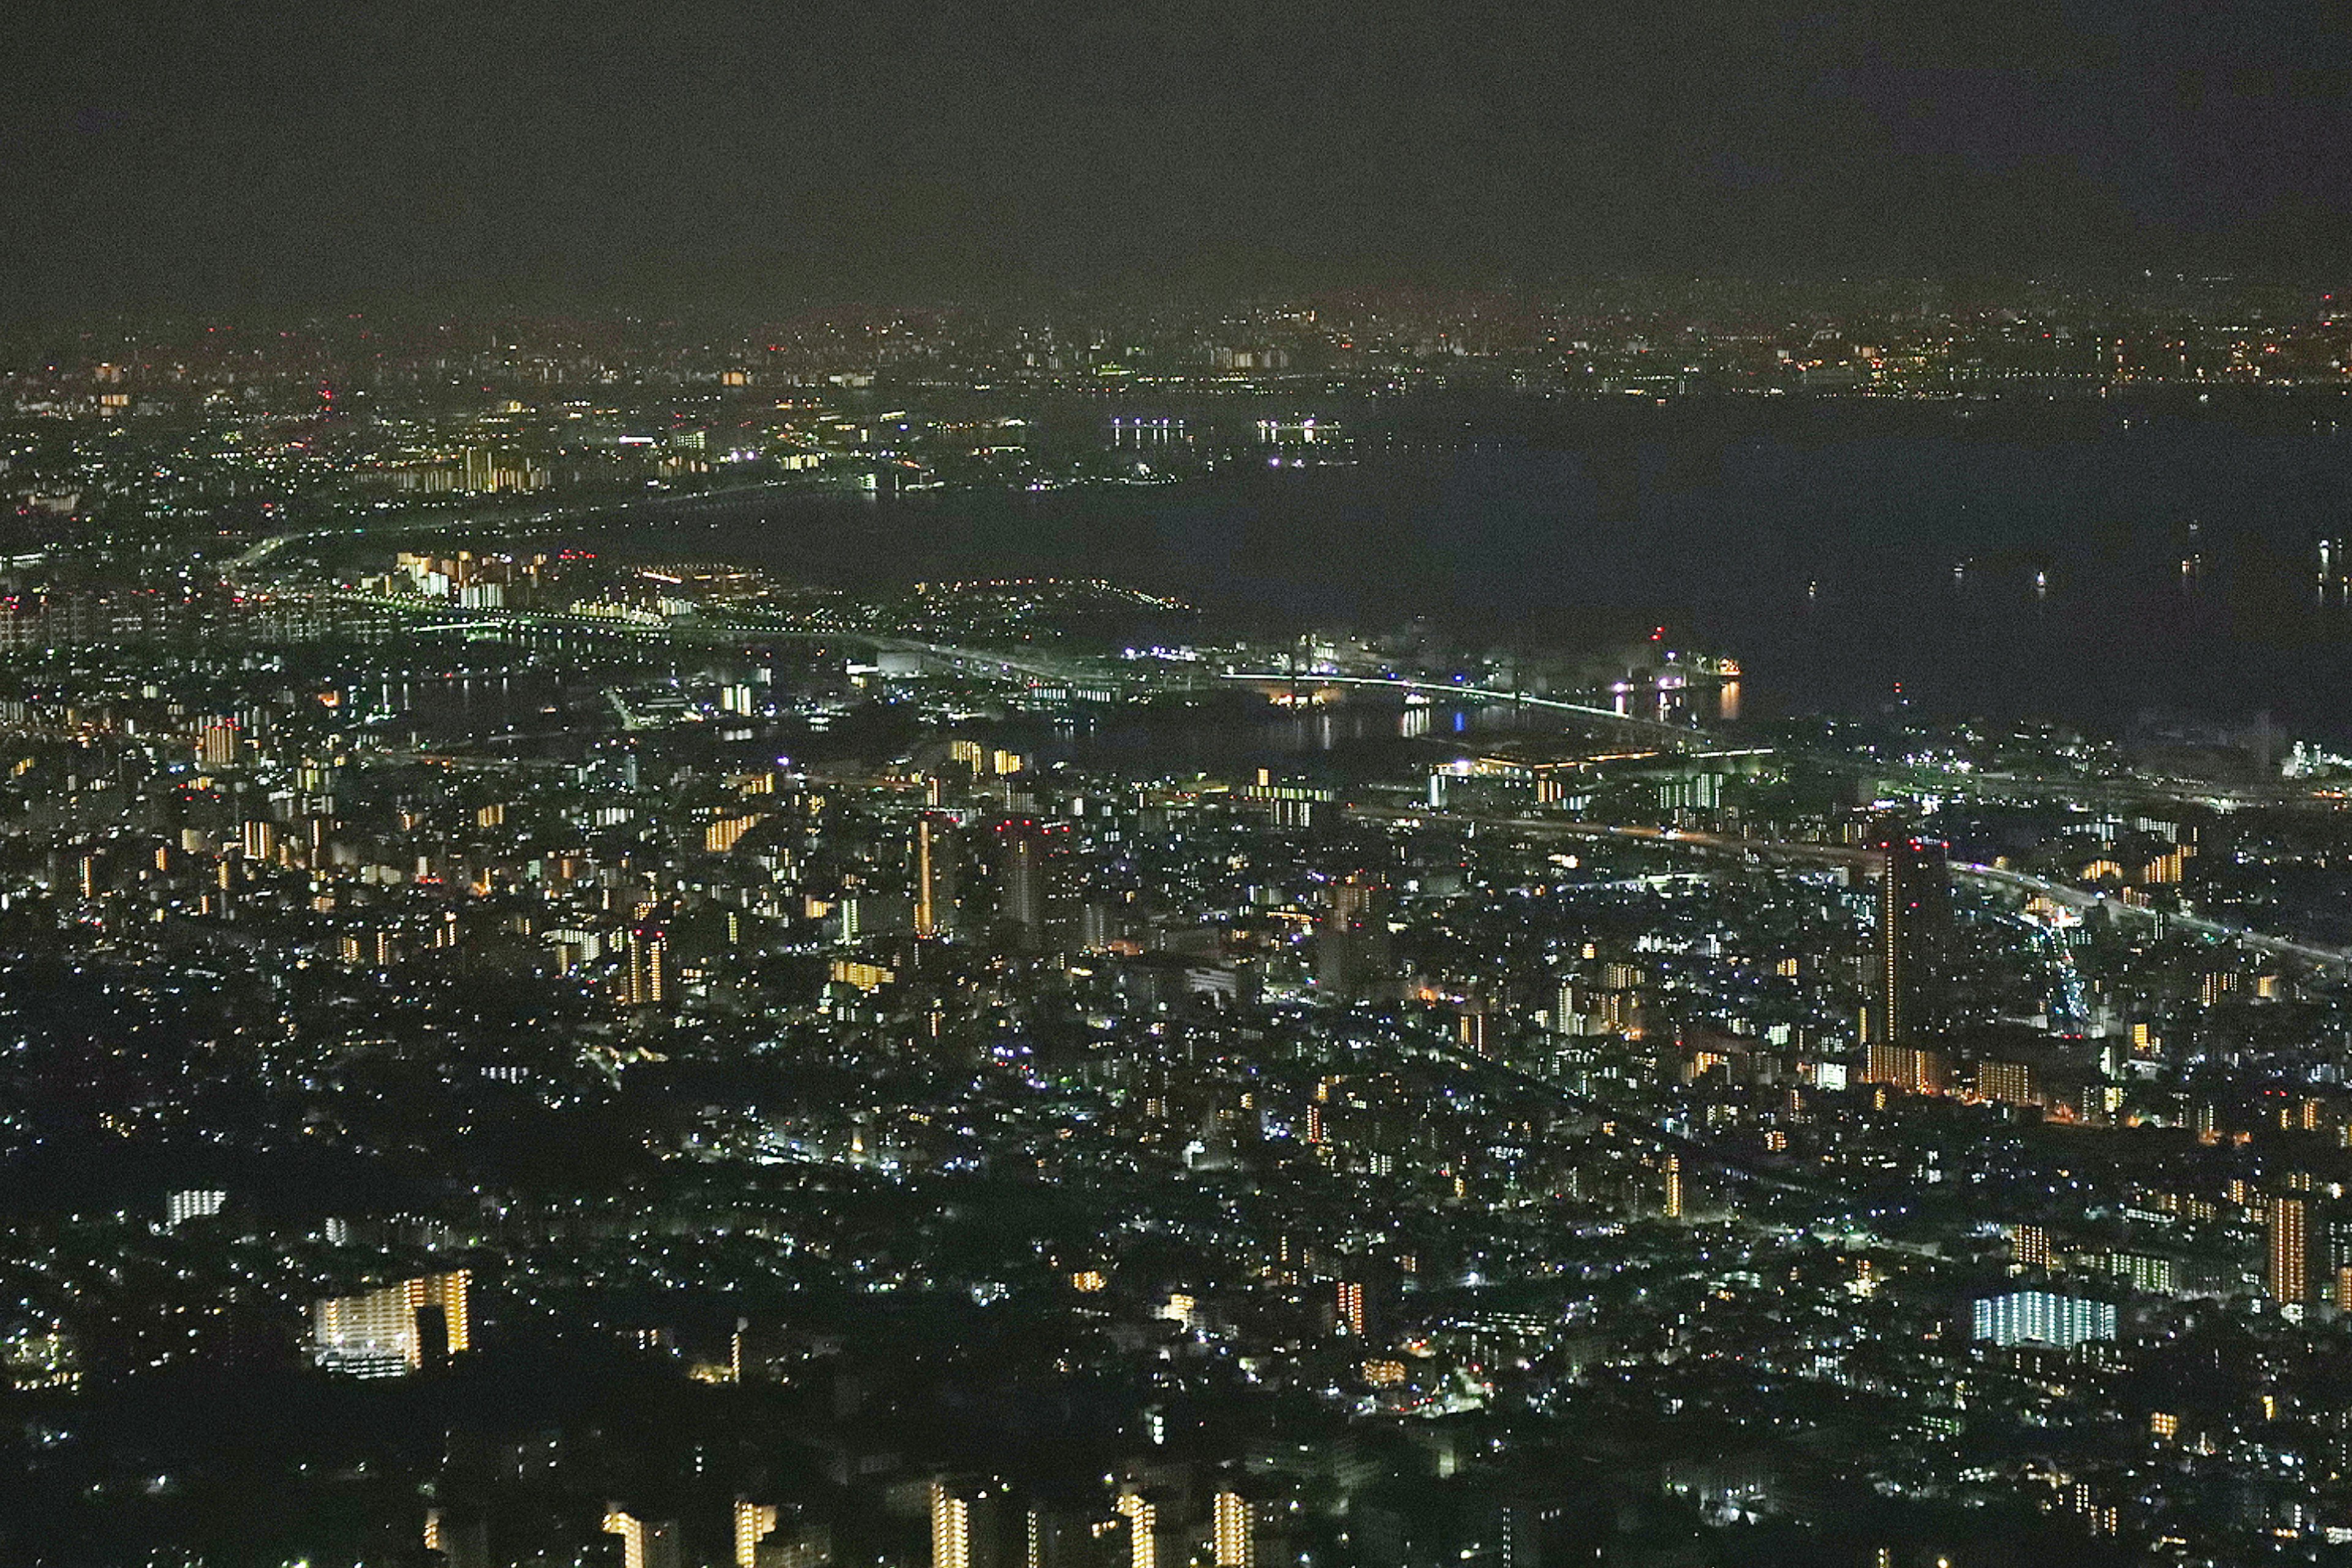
(1649, 729)
(435, 620)
(513, 517)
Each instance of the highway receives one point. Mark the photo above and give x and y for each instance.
(699, 629)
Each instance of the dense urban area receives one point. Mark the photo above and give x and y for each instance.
(159, 424)
(529, 1039)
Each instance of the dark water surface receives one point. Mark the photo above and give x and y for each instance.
(2086, 562)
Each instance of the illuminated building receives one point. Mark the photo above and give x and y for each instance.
(753, 1522)
(1612, 1007)
(2142, 1271)
(486, 471)
(643, 1544)
(217, 744)
(1352, 944)
(1907, 1067)
(1143, 1516)
(2041, 1317)
(2011, 1083)
(935, 878)
(865, 976)
(1914, 921)
(1674, 1186)
(1351, 1307)
(724, 834)
(1231, 1532)
(1471, 1027)
(574, 948)
(964, 1522)
(1021, 888)
(462, 1541)
(388, 1333)
(2030, 1245)
(926, 922)
(193, 1204)
(2290, 1256)
(648, 976)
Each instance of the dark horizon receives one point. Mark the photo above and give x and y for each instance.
(737, 302)
(596, 156)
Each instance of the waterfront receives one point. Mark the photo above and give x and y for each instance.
(2078, 567)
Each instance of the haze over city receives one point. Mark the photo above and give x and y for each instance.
(1089, 788)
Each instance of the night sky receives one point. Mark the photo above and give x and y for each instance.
(214, 157)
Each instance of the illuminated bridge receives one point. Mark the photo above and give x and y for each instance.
(1609, 719)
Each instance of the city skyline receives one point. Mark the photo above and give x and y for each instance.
(1354, 786)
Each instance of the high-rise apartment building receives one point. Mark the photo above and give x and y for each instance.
(394, 1330)
(2041, 1317)
(1021, 881)
(1910, 1069)
(644, 1543)
(935, 878)
(649, 976)
(192, 1204)
(966, 1521)
(1915, 927)
(1143, 1516)
(2289, 1277)
(1349, 1306)
(1352, 946)
(753, 1524)
(1233, 1530)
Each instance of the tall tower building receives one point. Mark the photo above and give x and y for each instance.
(1915, 930)
(2290, 1270)
(1143, 1516)
(643, 1542)
(1021, 879)
(753, 1522)
(964, 1522)
(927, 920)
(1233, 1533)
(935, 878)
(1352, 946)
(648, 979)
